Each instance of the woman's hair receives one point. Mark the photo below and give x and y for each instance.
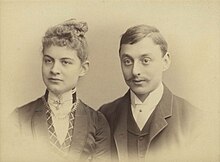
(70, 34)
(137, 33)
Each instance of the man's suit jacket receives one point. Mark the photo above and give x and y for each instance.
(171, 128)
(91, 135)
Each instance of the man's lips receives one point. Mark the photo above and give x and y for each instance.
(136, 81)
(55, 79)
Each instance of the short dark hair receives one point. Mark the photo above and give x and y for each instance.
(69, 34)
(137, 33)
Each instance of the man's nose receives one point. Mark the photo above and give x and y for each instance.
(55, 69)
(136, 70)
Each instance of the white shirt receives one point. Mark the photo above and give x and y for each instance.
(61, 107)
(142, 110)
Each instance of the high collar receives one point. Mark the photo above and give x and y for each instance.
(70, 95)
(61, 105)
(142, 111)
(152, 99)
(161, 113)
(40, 128)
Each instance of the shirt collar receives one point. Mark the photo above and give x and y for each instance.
(61, 105)
(152, 100)
(67, 96)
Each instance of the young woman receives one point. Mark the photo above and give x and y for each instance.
(59, 122)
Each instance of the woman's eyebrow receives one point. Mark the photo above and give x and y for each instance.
(48, 56)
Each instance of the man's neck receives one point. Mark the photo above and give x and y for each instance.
(143, 97)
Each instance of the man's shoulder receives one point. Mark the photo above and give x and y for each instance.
(189, 114)
(181, 107)
(112, 106)
(184, 105)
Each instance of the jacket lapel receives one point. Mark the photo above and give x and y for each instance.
(80, 131)
(162, 112)
(120, 133)
(40, 128)
(39, 122)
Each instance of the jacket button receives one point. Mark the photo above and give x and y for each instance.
(141, 138)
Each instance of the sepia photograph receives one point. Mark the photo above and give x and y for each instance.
(113, 81)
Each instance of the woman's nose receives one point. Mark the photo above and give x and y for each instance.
(55, 69)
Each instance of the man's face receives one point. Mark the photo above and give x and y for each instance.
(142, 65)
(61, 69)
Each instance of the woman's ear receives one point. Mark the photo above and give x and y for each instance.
(166, 61)
(84, 68)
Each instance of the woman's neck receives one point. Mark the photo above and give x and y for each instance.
(62, 97)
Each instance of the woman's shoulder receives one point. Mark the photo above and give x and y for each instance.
(25, 112)
(91, 112)
(30, 105)
(28, 108)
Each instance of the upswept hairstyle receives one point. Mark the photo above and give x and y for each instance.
(137, 33)
(70, 34)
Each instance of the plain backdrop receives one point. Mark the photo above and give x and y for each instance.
(191, 28)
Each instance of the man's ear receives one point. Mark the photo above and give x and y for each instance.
(166, 61)
(84, 68)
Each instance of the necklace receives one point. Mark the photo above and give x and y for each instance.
(64, 147)
(57, 103)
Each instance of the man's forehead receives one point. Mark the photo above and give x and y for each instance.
(132, 55)
(145, 46)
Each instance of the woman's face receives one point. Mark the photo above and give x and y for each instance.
(61, 69)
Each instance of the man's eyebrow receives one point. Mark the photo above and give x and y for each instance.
(146, 54)
(66, 58)
(125, 55)
(142, 55)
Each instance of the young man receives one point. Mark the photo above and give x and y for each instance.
(149, 122)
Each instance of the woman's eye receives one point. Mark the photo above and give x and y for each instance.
(146, 61)
(127, 62)
(47, 61)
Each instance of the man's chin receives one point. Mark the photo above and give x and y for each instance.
(140, 91)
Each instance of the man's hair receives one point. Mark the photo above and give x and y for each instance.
(69, 34)
(137, 33)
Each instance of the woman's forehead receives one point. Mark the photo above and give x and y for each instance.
(60, 52)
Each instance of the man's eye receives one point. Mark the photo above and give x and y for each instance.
(127, 61)
(146, 61)
(66, 62)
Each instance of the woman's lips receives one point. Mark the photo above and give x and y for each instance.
(54, 80)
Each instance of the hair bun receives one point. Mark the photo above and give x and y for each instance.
(69, 27)
(70, 34)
